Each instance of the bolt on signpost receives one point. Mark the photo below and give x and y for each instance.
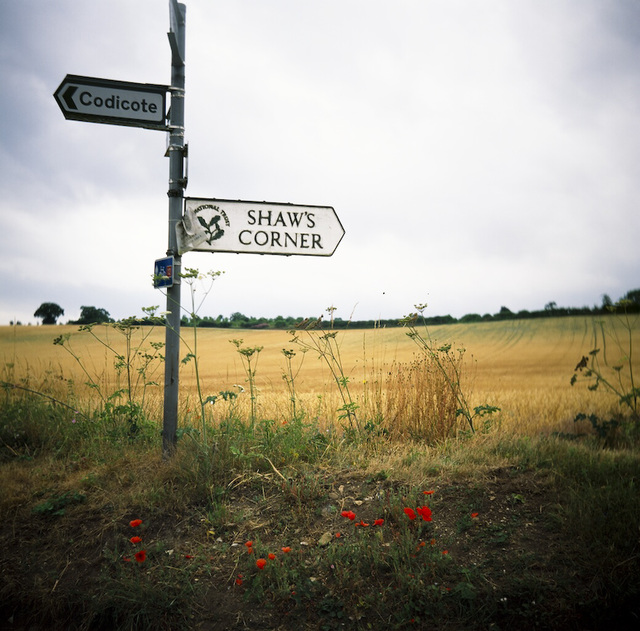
(207, 225)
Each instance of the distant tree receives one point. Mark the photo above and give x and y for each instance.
(606, 301)
(239, 320)
(471, 317)
(633, 297)
(93, 315)
(504, 314)
(49, 312)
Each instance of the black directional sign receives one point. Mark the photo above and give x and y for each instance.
(113, 102)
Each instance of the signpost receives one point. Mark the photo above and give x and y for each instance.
(221, 225)
(177, 183)
(207, 225)
(113, 102)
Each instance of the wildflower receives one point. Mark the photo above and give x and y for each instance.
(135, 539)
(432, 542)
(424, 512)
(135, 523)
(286, 549)
(410, 513)
(127, 559)
(445, 552)
(474, 515)
(338, 535)
(378, 522)
(189, 556)
(239, 579)
(349, 514)
(272, 556)
(260, 563)
(427, 492)
(141, 556)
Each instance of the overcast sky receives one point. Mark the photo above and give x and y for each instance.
(478, 154)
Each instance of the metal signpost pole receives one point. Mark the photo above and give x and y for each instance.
(177, 183)
(238, 226)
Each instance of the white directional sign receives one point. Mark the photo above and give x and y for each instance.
(113, 102)
(220, 225)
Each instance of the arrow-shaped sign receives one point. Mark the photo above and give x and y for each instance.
(113, 102)
(67, 96)
(222, 225)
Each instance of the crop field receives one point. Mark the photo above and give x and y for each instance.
(524, 367)
(322, 480)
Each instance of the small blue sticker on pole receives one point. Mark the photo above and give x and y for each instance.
(163, 272)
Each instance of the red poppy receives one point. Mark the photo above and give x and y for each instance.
(424, 512)
(127, 559)
(249, 544)
(272, 556)
(428, 492)
(474, 515)
(410, 513)
(141, 556)
(135, 523)
(363, 524)
(378, 522)
(135, 539)
(338, 535)
(286, 549)
(260, 563)
(349, 514)
(189, 556)
(445, 552)
(239, 579)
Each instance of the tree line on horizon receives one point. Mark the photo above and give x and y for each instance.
(630, 301)
(50, 312)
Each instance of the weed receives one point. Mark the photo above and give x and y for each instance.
(191, 276)
(615, 374)
(289, 377)
(449, 366)
(55, 506)
(247, 357)
(309, 335)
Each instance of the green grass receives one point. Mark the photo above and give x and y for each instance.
(554, 544)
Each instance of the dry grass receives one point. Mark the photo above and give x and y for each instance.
(523, 367)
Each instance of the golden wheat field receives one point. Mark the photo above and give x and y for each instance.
(524, 367)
